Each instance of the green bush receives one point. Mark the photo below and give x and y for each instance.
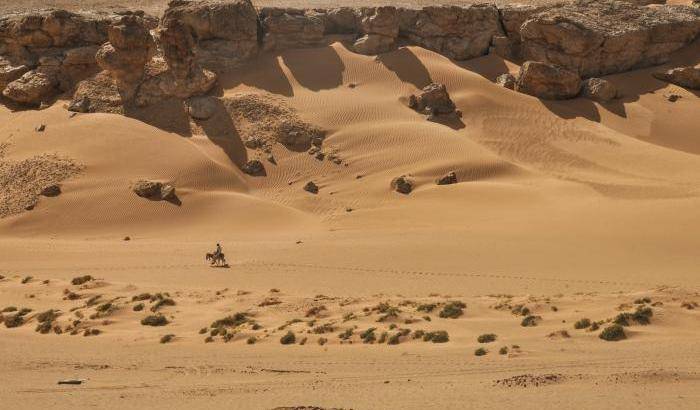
(582, 324)
(368, 335)
(486, 338)
(438, 336)
(453, 310)
(613, 333)
(288, 339)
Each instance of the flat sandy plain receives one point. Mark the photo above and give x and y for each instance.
(572, 209)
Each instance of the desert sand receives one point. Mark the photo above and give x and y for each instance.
(572, 209)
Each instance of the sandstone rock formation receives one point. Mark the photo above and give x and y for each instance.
(432, 100)
(380, 29)
(456, 32)
(599, 89)
(402, 185)
(547, 81)
(597, 37)
(687, 77)
(448, 179)
(291, 28)
(512, 17)
(253, 167)
(33, 87)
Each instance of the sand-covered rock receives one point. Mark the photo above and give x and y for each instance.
(547, 81)
(456, 32)
(154, 190)
(506, 80)
(512, 17)
(402, 184)
(597, 37)
(687, 77)
(33, 87)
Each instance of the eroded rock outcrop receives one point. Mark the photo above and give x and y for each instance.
(597, 37)
(459, 33)
(432, 100)
(154, 190)
(687, 77)
(291, 28)
(380, 29)
(547, 81)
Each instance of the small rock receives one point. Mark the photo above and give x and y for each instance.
(51, 191)
(506, 80)
(433, 100)
(599, 90)
(320, 156)
(547, 81)
(202, 108)
(311, 187)
(127, 238)
(672, 97)
(686, 77)
(40, 128)
(402, 185)
(253, 167)
(450, 178)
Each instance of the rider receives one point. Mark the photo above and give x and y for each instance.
(217, 253)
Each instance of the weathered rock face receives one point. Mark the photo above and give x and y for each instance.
(547, 81)
(202, 108)
(456, 32)
(599, 89)
(687, 77)
(97, 94)
(342, 20)
(291, 28)
(512, 17)
(433, 100)
(596, 37)
(33, 87)
(225, 33)
(380, 28)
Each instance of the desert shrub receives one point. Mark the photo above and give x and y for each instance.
(216, 331)
(15, 320)
(91, 332)
(27, 279)
(105, 307)
(324, 328)
(208, 339)
(453, 310)
(582, 323)
(251, 340)
(288, 338)
(346, 334)
(138, 307)
(426, 307)
(392, 326)
(391, 313)
(622, 319)
(43, 327)
(613, 333)
(643, 315)
(303, 341)
(404, 332)
(141, 297)
(427, 318)
(554, 309)
(418, 334)
(560, 333)
(234, 320)
(368, 335)
(480, 352)
(167, 338)
(689, 305)
(314, 311)
(530, 321)
(520, 310)
(48, 316)
(203, 330)
(394, 339)
(322, 341)
(594, 327)
(9, 309)
(154, 320)
(162, 302)
(228, 336)
(503, 350)
(93, 300)
(486, 338)
(383, 337)
(349, 316)
(438, 336)
(81, 279)
(24, 311)
(642, 301)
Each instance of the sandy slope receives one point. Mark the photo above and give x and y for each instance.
(570, 201)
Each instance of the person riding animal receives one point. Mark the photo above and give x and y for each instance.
(217, 257)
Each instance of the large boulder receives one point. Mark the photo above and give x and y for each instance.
(459, 33)
(153, 190)
(433, 100)
(687, 77)
(291, 28)
(547, 81)
(97, 94)
(380, 28)
(597, 37)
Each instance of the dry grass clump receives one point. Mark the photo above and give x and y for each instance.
(27, 279)
(480, 352)
(81, 280)
(530, 321)
(154, 320)
(346, 334)
(387, 311)
(141, 297)
(438, 336)
(520, 310)
(138, 307)
(368, 335)
(426, 307)
(613, 333)
(322, 341)
(453, 310)
(161, 303)
(642, 316)
(642, 301)
(324, 328)
(315, 311)
(288, 339)
(503, 350)
(269, 302)
(9, 309)
(582, 324)
(559, 334)
(234, 320)
(167, 338)
(486, 338)
(251, 340)
(46, 320)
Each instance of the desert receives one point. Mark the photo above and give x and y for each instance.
(418, 205)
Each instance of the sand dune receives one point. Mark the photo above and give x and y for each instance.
(574, 205)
